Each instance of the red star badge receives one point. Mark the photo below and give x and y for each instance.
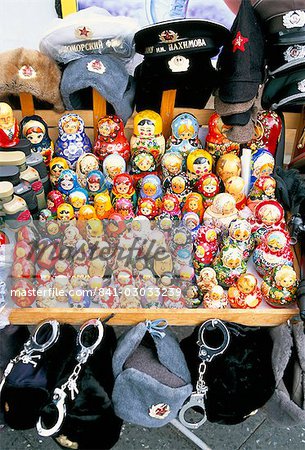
(83, 31)
(239, 42)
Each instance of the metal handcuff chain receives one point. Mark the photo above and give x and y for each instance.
(206, 354)
(32, 350)
(60, 394)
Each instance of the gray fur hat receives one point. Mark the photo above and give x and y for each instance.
(105, 73)
(152, 380)
(287, 405)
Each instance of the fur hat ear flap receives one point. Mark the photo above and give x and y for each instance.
(30, 71)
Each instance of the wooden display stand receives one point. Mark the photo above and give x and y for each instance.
(263, 316)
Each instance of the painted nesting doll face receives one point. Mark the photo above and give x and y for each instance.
(269, 212)
(96, 182)
(147, 124)
(223, 204)
(199, 162)
(71, 124)
(208, 185)
(65, 212)
(67, 181)
(262, 164)
(78, 197)
(113, 165)
(240, 230)
(172, 164)
(34, 131)
(86, 163)
(57, 165)
(185, 126)
(231, 257)
(228, 166)
(285, 276)
(151, 187)
(246, 283)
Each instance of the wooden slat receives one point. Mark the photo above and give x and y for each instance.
(99, 109)
(258, 317)
(27, 104)
(167, 111)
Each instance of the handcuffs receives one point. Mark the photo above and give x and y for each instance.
(32, 349)
(206, 354)
(60, 394)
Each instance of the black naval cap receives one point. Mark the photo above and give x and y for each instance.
(284, 58)
(175, 37)
(288, 89)
(242, 59)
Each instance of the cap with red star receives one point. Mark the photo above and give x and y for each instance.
(239, 42)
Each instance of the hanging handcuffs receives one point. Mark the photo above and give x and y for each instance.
(59, 394)
(206, 354)
(32, 349)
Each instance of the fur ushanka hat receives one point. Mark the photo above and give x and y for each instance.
(30, 71)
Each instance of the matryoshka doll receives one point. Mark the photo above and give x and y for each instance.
(235, 186)
(151, 188)
(262, 164)
(84, 165)
(193, 203)
(72, 141)
(279, 288)
(184, 137)
(54, 199)
(172, 164)
(67, 182)
(262, 189)
(245, 292)
(125, 207)
(171, 206)
(123, 188)
(206, 279)
(228, 165)
(181, 240)
(95, 184)
(147, 207)
(85, 213)
(56, 166)
(179, 185)
(216, 298)
(65, 213)
(268, 129)
(111, 139)
(222, 211)
(268, 215)
(191, 221)
(229, 265)
(240, 234)
(142, 163)
(274, 250)
(208, 187)
(113, 165)
(35, 130)
(78, 198)
(202, 257)
(199, 162)
(208, 237)
(102, 205)
(217, 143)
(114, 227)
(94, 231)
(147, 135)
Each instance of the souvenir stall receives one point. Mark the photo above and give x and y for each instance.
(148, 178)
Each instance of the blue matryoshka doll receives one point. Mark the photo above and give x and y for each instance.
(184, 137)
(262, 165)
(67, 182)
(72, 141)
(95, 183)
(34, 129)
(151, 188)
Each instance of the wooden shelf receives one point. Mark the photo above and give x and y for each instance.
(191, 317)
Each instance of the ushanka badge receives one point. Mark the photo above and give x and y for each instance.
(159, 411)
(179, 64)
(294, 19)
(96, 66)
(27, 72)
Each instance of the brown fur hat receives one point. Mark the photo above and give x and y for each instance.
(33, 72)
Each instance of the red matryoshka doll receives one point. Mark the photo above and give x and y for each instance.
(229, 265)
(268, 215)
(216, 298)
(179, 185)
(208, 237)
(65, 213)
(56, 166)
(23, 293)
(208, 187)
(123, 188)
(125, 207)
(147, 207)
(240, 234)
(199, 162)
(262, 189)
(172, 164)
(25, 250)
(235, 186)
(222, 211)
(203, 257)
(228, 165)
(9, 130)
(274, 250)
(35, 130)
(84, 165)
(268, 130)
(26, 233)
(147, 135)
(111, 139)
(279, 287)
(23, 268)
(151, 188)
(193, 203)
(102, 205)
(171, 206)
(245, 292)
(95, 184)
(114, 227)
(206, 279)
(54, 199)
(184, 137)
(217, 143)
